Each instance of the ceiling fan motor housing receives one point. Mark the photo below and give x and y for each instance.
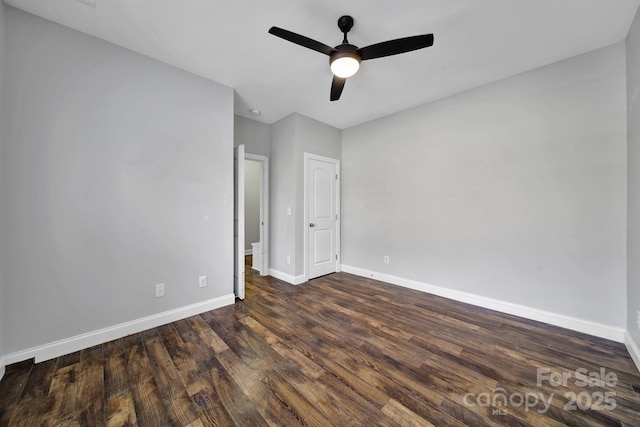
(344, 50)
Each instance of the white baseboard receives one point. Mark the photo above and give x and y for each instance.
(2, 364)
(573, 323)
(293, 280)
(79, 342)
(248, 252)
(632, 348)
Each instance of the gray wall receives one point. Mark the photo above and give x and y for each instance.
(252, 178)
(3, 180)
(514, 191)
(255, 136)
(633, 158)
(282, 195)
(291, 138)
(318, 138)
(120, 177)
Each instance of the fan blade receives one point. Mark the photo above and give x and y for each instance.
(301, 40)
(337, 84)
(394, 47)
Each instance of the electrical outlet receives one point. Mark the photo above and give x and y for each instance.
(159, 290)
(288, 259)
(386, 259)
(638, 318)
(202, 281)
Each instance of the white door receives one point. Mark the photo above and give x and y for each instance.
(238, 221)
(322, 208)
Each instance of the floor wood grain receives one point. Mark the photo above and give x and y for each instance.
(337, 351)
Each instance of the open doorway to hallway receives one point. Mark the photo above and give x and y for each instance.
(256, 243)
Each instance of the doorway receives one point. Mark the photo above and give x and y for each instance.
(321, 215)
(256, 211)
(240, 158)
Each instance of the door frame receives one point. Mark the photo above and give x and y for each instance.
(305, 234)
(264, 210)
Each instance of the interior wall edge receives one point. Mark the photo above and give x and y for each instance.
(580, 325)
(72, 344)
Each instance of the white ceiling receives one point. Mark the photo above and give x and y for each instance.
(476, 42)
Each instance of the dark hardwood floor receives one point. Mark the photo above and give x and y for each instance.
(340, 350)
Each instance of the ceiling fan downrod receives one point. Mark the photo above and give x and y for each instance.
(345, 23)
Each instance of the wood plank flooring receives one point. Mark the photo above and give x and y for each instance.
(338, 351)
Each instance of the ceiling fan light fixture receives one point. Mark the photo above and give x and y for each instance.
(345, 67)
(345, 64)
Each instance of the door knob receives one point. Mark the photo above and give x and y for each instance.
(312, 225)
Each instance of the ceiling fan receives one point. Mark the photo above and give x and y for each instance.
(345, 58)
